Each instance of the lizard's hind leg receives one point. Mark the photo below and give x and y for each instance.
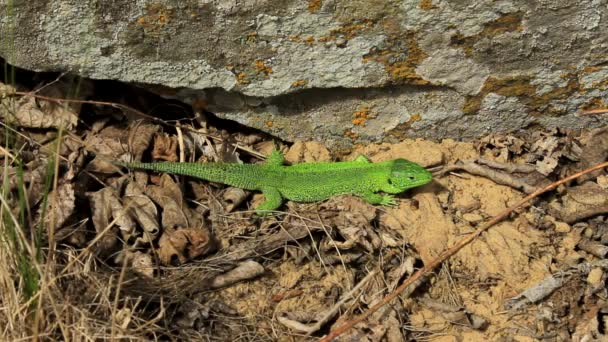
(272, 201)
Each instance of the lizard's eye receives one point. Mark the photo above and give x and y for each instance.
(390, 181)
(411, 178)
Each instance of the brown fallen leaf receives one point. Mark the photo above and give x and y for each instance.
(105, 207)
(143, 210)
(233, 197)
(166, 188)
(165, 147)
(168, 196)
(60, 205)
(352, 217)
(30, 112)
(141, 263)
(183, 245)
(140, 136)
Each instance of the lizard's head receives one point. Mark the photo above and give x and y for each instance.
(405, 174)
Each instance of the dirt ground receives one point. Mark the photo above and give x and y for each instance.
(94, 251)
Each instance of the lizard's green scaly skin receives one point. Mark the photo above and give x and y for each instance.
(305, 182)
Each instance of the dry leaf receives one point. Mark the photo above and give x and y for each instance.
(29, 112)
(247, 139)
(141, 263)
(353, 222)
(165, 148)
(61, 203)
(166, 188)
(105, 206)
(108, 142)
(546, 165)
(143, 210)
(35, 179)
(233, 197)
(245, 270)
(140, 136)
(172, 215)
(169, 197)
(183, 245)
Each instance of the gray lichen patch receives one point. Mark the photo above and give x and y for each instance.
(452, 68)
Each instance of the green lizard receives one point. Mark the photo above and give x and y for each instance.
(305, 182)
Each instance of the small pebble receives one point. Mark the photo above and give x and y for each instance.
(595, 277)
(602, 181)
(562, 227)
(472, 217)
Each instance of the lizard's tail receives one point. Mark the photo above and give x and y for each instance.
(225, 173)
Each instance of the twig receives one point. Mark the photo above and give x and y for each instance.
(180, 142)
(453, 250)
(499, 177)
(327, 315)
(592, 112)
(507, 167)
(554, 281)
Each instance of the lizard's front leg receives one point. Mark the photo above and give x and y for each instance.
(375, 198)
(272, 201)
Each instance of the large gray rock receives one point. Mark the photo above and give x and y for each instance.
(340, 71)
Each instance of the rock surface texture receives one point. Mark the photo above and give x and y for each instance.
(340, 71)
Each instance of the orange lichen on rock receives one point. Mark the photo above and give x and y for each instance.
(401, 67)
(260, 66)
(350, 134)
(594, 103)
(426, 5)
(309, 40)
(314, 5)
(299, 83)
(509, 22)
(360, 117)
(522, 88)
(155, 18)
(241, 78)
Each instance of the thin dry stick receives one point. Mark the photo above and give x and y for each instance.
(453, 250)
(593, 112)
(180, 141)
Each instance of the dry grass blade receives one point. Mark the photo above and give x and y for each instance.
(454, 249)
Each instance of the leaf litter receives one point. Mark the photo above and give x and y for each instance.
(203, 263)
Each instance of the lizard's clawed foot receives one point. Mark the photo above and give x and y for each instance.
(388, 200)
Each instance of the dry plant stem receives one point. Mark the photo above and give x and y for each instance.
(507, 167)
(51, 236)
(180, 142)
(453, 250)
(4, 152)
(119, 282)
(545, 287)
(592, 112)
(499, 177)
(84, 252)
(329, 314)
